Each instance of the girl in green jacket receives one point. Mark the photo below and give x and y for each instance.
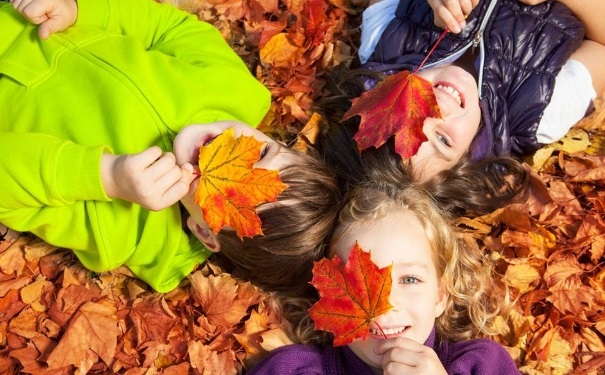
(89, 116)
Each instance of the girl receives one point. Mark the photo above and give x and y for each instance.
(525, 73)
(89, 120)
(442, 295)
(469, 187)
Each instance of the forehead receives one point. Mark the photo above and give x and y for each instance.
(397, 237)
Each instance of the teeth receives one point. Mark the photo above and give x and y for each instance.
(387, 331)
(451, 91)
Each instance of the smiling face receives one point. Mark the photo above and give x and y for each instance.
(415, 294)
(274, 156)
(449, 138)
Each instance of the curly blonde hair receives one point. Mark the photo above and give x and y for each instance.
(464, 272)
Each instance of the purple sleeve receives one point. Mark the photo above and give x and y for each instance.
(290, 360)
(477, 357)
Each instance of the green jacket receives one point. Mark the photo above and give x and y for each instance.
(129, 75)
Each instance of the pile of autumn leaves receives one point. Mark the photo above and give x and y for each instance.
(57, 318)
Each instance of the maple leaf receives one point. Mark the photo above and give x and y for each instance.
(350, 295)
(230, 187)
(396, 106)
(92, 334)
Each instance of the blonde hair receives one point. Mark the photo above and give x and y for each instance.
(465, 276)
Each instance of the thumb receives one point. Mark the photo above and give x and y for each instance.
(52, 25)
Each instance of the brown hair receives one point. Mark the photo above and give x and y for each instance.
(295, 228)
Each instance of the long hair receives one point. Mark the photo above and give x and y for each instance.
(295, 228)
(473, 299)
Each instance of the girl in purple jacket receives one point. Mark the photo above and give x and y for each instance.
(442, 294)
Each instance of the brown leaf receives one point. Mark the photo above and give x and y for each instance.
(150, 320)
(218, 297)
(92, 334)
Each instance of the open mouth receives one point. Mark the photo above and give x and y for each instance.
(387, 331)
(455, 94)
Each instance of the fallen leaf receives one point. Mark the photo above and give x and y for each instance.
(351, 295)
(92, 333)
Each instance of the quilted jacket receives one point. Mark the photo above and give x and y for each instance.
(520, 50)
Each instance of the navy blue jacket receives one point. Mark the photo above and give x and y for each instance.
(520, 50)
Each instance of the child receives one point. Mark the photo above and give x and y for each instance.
(469, 187)
(89, 119)
(537, 75)
(442, 294)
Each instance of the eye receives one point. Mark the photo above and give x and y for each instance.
(264, 151)
(443, 140)
(409, 280)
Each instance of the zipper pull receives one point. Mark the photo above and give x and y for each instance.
(476, 40)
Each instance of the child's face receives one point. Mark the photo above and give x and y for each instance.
(449, 138)
(275, 156)
(415, 292)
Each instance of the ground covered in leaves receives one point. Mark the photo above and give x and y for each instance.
(58, 318)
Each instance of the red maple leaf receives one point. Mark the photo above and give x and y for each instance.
(351, 295)
(396, 106)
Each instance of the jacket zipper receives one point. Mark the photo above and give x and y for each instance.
(477, 41)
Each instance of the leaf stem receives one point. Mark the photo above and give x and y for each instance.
(381, 331)
(432, 49)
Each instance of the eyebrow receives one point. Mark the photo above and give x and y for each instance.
(412, 264)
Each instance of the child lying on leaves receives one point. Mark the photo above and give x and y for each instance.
(89, 119)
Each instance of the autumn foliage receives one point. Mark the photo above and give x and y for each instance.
(230, 188)
(58, 318)
(351, 295)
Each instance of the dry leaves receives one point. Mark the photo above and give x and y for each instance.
(58, 318)
(551, 253)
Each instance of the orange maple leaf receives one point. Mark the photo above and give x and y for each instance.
(350, 295)
(230, 188)
(396, 106)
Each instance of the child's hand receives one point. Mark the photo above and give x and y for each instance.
(150, 178)
(51, 15)
(450, 14)
(403, 356)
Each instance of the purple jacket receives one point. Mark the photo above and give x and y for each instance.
(520, 50)
(479, 357)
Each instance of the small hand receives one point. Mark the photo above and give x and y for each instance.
(451, 14)
(151, 179)
(52, 15)
(403, 356)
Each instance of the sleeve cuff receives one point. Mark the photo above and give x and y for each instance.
(79, 168)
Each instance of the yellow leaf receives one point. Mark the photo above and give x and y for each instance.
(230, 188)
(280, 51)
(522, 276)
